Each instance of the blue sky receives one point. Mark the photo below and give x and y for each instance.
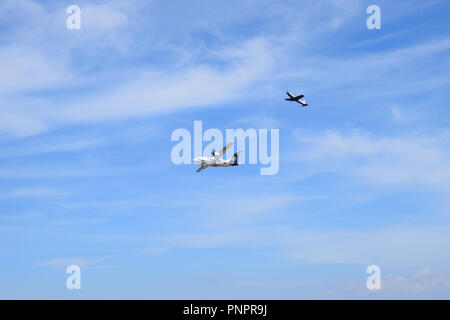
(86, 176)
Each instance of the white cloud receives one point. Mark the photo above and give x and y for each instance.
(20, 125)
(147, 92)
(43, 146)
(25, 68)
(38, 192)
(191, 86)
(236, 71)
(415, 161)
(394, 246)
(65, 262)
(154, 250)
(397, 114)
(103, 17)
(387, 247)
(22, 217)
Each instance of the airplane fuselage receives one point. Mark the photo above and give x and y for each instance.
(215, 162)
(291, 97)
(296, 98)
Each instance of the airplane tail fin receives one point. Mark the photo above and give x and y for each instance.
(236, 158)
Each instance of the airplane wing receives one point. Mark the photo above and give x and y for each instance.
(203, 167)
(303, 103)
(299, 97)
(221, 152)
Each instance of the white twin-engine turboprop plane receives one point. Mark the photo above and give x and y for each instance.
(216, 159)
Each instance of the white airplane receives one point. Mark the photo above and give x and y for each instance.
(216, 159)
(296, 99)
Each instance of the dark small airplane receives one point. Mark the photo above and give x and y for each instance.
(296, 99)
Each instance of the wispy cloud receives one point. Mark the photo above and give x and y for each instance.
(36, 192)
(61, 263)
(154, 250)
(397, 114)
(414, 161)
(424, 284)
(86, 115)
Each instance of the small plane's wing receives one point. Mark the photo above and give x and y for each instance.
(299, 97)
(221, 152)
(203, 167)
(289, 94)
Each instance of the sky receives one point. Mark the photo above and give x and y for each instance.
(86, 176)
